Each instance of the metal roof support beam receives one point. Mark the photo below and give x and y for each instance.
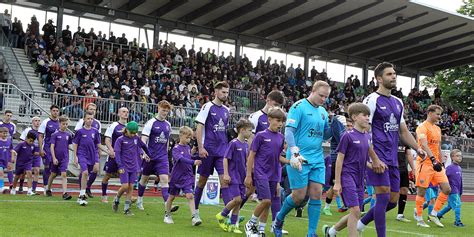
(211, 6)
(255, 4)
(351, 27)
(170, 6)
(299, 19)
(406, 43)
(369, 33)
(131, 4)
(360, 48)
(456, 63)
(446, 59)
(434, 54)
(326, 23)
(268, 16)
(426, 47)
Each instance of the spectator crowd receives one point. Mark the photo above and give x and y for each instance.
(130, 75)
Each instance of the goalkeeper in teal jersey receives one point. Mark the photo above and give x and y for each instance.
(307, 126)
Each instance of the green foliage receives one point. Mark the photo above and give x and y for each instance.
(468, 8)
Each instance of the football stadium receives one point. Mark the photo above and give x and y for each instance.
(237, 118)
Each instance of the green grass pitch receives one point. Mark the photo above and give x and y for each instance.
(42, 216)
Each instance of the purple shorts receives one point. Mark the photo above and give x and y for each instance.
(3, 163)
(19, 170)
(47, 157)
(349, 188)
(85, 166)
(111, 166)
(36, 161)
(61, 167)
(209, 163)
(237, 190)
(156, 167)
(265, 189)
(175, 189)
(389, 178)
(128, 177)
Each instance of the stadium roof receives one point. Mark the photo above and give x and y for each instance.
(416, 37)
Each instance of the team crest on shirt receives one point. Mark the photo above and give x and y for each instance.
(93, 135)
(392, 125)
(135, 141)
(220, 126)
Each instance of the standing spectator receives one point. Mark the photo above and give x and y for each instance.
(66, 34)
(437, 92)
(6, 20)
(49, 29)
(17, 30)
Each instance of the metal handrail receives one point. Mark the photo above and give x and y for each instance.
(25, 95)
(4, 37)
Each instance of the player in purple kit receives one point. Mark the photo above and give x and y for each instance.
(127, 150)
(156, 134)
(113, 132)
(90, 108)
(235, 160)
(46, 129)
(6, 123)
(264, 169)
(24, 151)
(60, 141)
(212, 122)
(182, 177)
(86, 144)
(35, 123)
(352, 155)
(6, 150)
(388, 126)
(454, 173)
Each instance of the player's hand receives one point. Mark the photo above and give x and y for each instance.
(421, 152)
(248, 182)
(337, 189)
(226, 179)
(203, 153)
(121, 171)
(42, 154)
(146, 158)
(10, 165)
(193, 150)
(111, 153)
(296, 161)
(436, 165)
(378, 166)
(55, 161)
(197, 162)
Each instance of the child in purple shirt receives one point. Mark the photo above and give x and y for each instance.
(264, 169)
(182, 177)
(86, 144)
(235, 161)
(24, 152)
(354, 149)
(454, 174)
(128, 149)
(60, 141)
(6, 150)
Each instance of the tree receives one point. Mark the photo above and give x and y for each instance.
(456, 83)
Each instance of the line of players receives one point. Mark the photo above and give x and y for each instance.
(303, 173)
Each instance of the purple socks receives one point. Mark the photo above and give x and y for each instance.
(141, 190)
(104, 189)
(10, 177)
(197, 197)
(92, 177)
(225, 212)
(233, 219)
(35, 183)
(46, 173)
(165, 193)
(378, 213)
(276, 206)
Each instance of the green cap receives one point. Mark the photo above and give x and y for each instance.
(132, 127)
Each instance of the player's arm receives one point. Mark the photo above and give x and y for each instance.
(226, 171)
(424, 144)
(199, 131)
(337, 188)
(144, 149)
(13, 155)
(118, 158)
(296, 159)
(146, 131)
(41, 132)
(409, 158)
(53, 154)
(250, 163)
(108, 140)
(377, 165)
(283, 160)
(74, 148)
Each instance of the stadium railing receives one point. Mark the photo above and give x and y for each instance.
(106, 45)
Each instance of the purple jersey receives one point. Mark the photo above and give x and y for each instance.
(182, 173)
(25, 153)
(61, 141)
(259, 120)
(11, 128)
(158, 133)
(355, 147)
(267, 146)
(95, 124)
(454, 174)
(215, 119)
(386, 115)
(127, 152)
(87, 141)
(5, 150)
(47, 128)
(114, 131)
(236, 154)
